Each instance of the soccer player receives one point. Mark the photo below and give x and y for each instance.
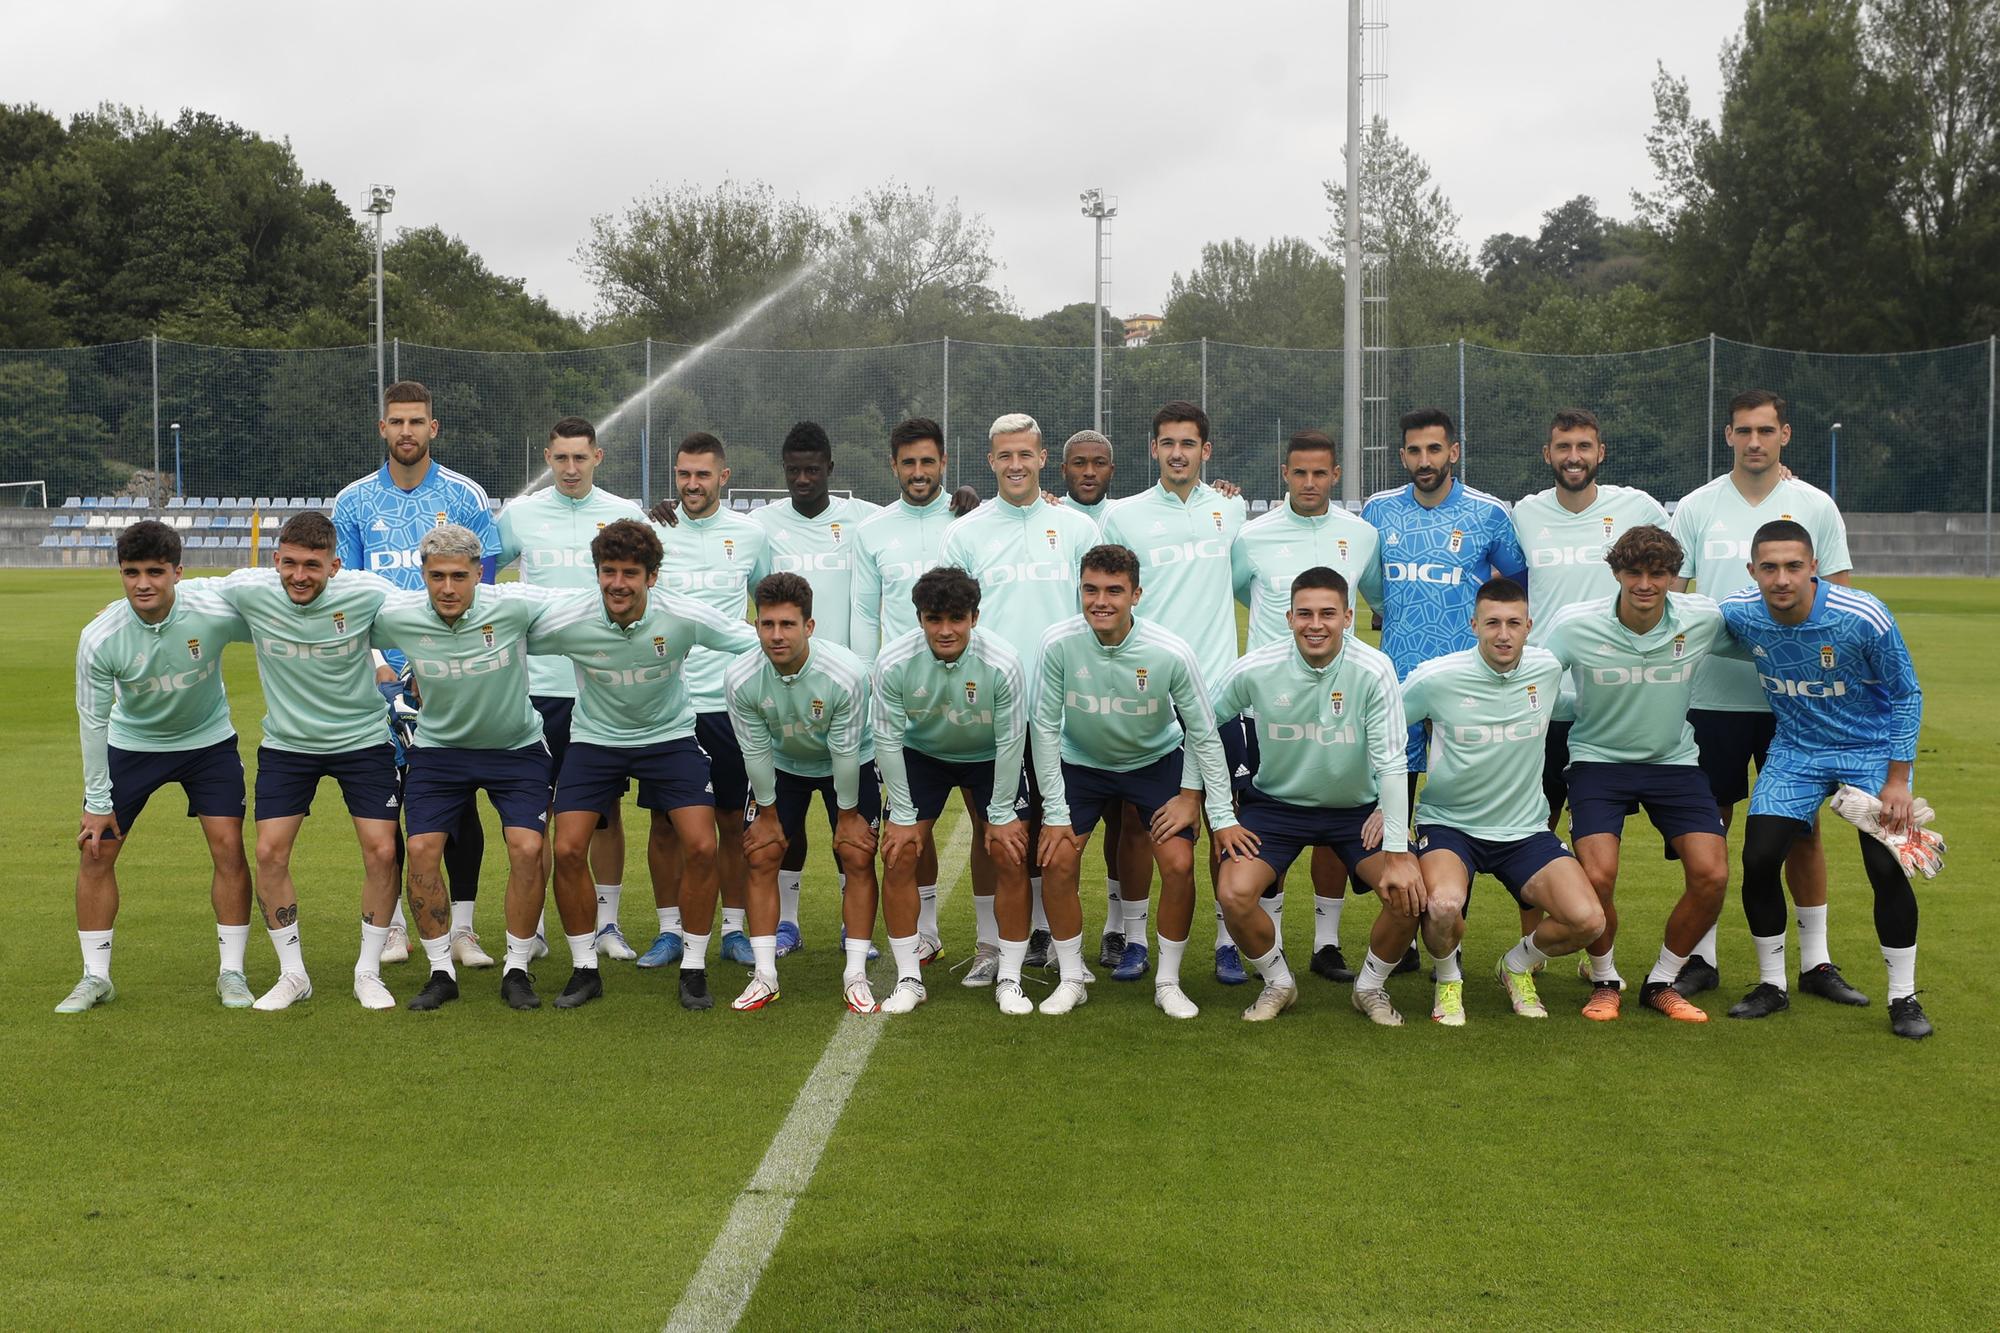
(151, 711)
(1329, 717)
(892, 549)
(1848, 710)
(1087, 469)
(812, 535)
(715, 556)
(379, 521)
(1730, 713)
(633, 721)
(550, 532)
(800, 709)
(1026, 554)
(951, 711)
(1482, 812)
(1632, 657)
(1308, 531)
(466, 643)
(310, 620)
(1105, 730)
(1182, 530)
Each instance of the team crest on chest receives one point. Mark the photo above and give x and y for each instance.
(729, 548)
(971, 694)
(1534, 700)
(834, 528)
(659, 646)
(1216, 514)
(1140, 673)
(194, 649)
(442, 519)
(1680, 646)
(1608, 523)
(486, 634)
(1341, 546)
(1826, 656)
(1457, 541)
(819, 710)
(340, 622)
(1050, 533)
(1337, 703)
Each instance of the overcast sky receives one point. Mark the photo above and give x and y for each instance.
(512, 124)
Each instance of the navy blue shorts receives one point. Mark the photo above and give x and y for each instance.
(287, 781)
(1512, 863)
(212, 777)
(1148, 788)
(1284, 830)
(1729, 744)
(795, 798)
(556, 716)
(716, 735)
(670, 774)
(932, 781)
(439, 788)
(1239, 752)
(1676, 797)
(1555, 771)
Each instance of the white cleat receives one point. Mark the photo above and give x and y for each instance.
(909, 993)
(1274, 1000)
(233, 990)
(396, 949)
(611, 942)
(465, 950)
(368, 989)
(985, 967)
(89, 993)
(291, 988)
(1010, 998)
(541, 949)
(929, 949)
(760, 992)
(860, 998)
(1374, 1002)
(1065, 997)
(1172, 1001)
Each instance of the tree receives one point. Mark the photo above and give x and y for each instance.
(901, 267)
(438, 291)
(1286, 293)
(1407, 221)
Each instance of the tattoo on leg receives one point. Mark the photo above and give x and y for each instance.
(288, 915)
(367, 918)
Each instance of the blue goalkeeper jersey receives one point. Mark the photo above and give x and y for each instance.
(377, 524)
(1840, 682)
(1431, 563)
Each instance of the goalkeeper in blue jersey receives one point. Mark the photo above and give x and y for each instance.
(1848, 709)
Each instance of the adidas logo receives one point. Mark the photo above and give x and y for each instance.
(392, 800)
(1243, 770)
(1284, 551)
(1393, 540)
(378, 526)
(1718, 526)
(1157, 527)
(603, 656)
(1468, 703)
(1283, 700)
(1083, 673)
(425, 641)
(1543, 533)
(923, 691)
(767, 702)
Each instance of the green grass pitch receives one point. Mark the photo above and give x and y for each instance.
(167, 1163)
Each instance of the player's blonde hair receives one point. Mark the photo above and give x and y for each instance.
(450, 540)
(1014, 423)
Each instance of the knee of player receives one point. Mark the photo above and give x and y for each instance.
(570, 853)
(525, 844)
(274, 857)
(1587, 923)
(766, 859)
(700, 852)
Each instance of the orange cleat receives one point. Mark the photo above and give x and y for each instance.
(1662, 996)
(1602, 1007)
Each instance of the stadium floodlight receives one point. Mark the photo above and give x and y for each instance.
(1099, 212)
(381, 198)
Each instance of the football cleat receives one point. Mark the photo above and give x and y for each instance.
(540, 949)
(368, 989)
(1763, 1000)
(1374, 1002)
(1132, 964)
(789, 938)
(1448, 1004)
(1907, 1019)
(985, 966)
(909, 993)
(860, 999)
(1041, 947)
(585, 984)
(1661, 996)
(929, 949)
(1172, 1001)
(736, 949)
(1408, 963)
(465, 950)
(668, 946)
(233, 990)
(1011, 999)
(439, 991)
(1229, 966)
(1697, 975)
(1826, 982)
(1111, 948)
(517, 988)
(1520, 988)
(760, 992)
(89, 993)
(612, 944)
(291, 988)
(1066, 996)
(1270, 1002)
(396, 948)
(1329, 962)
(873, 952)
(694, 989)
(1602, 1006)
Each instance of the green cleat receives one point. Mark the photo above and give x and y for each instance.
(233, 990)
(1448, 1004)
(1520, 988)
(89, 993)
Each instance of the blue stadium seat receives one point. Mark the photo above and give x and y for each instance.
(241, 521)
(105, 540)
(211, 503)
(51, 540)
(315, 502)
(59, 521)
(89, 502)
(73, 502)
(297, 502)
(72, 539)
(219, 521)
(261, 502)
(142, 502)
(176, 502)
(211, 542)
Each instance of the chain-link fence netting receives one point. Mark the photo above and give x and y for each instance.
(1898, 433)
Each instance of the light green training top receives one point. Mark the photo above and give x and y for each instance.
(1632, 690)
(1329, 737)
(716, 560)
(1094, 512)
(1114, 708)
(1487, 737)
(1714, 524)
(892, 549)
(813, 724)
(550, 534)
(971, 711)
(1026, 558)
(319, 678)
(1275, 548)
(1566, 551)
(471, 675)
(628, 679)
(821, 549)
(152, 687)
(1185, 576)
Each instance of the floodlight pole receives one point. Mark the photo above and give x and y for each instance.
(380, 200)
(1350, 352)
(1095, 209)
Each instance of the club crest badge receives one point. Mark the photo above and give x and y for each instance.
(659, 646)
(819, 710)
(1608, 524)
(486, 635)
(1216, 514)
(1341, 545)
(1050, 533)
(340, 622)
(600, 527)
(1457, 542)
(834, 528)
(729, 548)
(972, 694)
(1141, 674)
(1534, 699)
(1337, 703)
(442, 519)
(194, 649)
(1826, 657)
(1680, 646)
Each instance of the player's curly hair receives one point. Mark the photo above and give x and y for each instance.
(1646, 549)
(311, 530)
(945, 591)
(149, 539)
(808, 437)
(785, 588)
(627, 541)
(1111, 558)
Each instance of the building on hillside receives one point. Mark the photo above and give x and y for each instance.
(1139, 329)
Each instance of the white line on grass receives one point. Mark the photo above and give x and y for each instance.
(720, 1289)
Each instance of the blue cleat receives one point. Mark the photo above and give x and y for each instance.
(789, 939)
(873, 952)
(664, 951)
(1133, 963)
(1229, 966)
(736, 949)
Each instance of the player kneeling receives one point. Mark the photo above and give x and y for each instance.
(1330, 731)
(1483, 811)
(951, 711)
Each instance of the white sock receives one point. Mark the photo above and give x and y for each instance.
(97, 952)
(1274, 907)
(1069, 958)
(1447, 966)
(1135, 919)
(694, 957)
(857, 959)
(1272, 968)
(1326, 921)
(373, 938)
(1374, 973)
(1667, 968)
(904, 951)
(437, 953)
(285, 939)
(607, 904)
(1812, 937)
(1707, 949)
(1114, 911)
(521, 952)
(987, 930)
(732, 920)
(461, 916)
(1525, 957)
(1013, 957)
(231, 941)
(764, 956)
(670, 920)
(1902, 965)
(582, 949)
(788, 896)
(1770, 958)
(927, 922)
(1605, 968)
(1038, 919)
(1222, 940)
(1170, 962)
(396, 917)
